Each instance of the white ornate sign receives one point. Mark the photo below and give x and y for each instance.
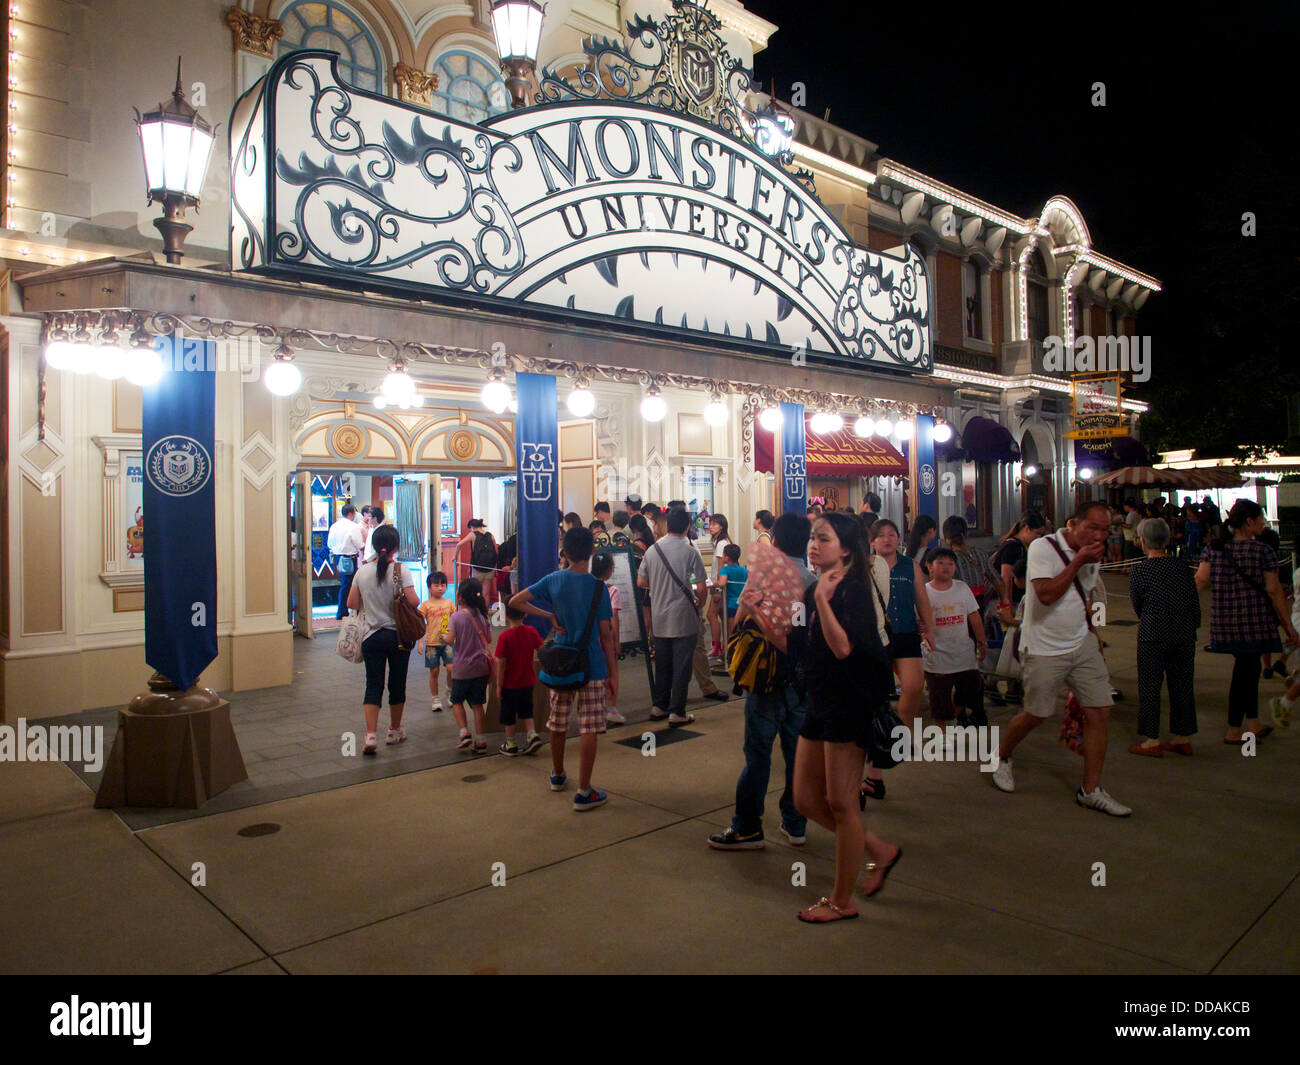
(620, 209)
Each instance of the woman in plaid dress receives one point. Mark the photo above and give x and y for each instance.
(1246, 608)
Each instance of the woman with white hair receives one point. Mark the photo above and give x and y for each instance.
(1164, 597)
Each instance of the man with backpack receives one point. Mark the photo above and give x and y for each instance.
(768, 714)
(482, 556)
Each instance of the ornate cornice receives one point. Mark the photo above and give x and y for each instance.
(253, 33)
(414, 86)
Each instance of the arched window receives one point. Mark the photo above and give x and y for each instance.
(469, 88)
(328, 25)
(972, 287)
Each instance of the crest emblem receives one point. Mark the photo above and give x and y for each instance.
(178, 466)
(927, 479)
(698, 73)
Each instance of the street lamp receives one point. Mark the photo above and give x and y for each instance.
(773, 130)
(176, 142)
(517, 25)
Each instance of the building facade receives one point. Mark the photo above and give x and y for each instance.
(653, 299)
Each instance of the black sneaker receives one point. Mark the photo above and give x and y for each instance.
(730, 840)
(719, 695)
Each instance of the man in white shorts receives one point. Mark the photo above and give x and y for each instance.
(1061, 650)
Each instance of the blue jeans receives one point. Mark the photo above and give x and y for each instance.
(345, 582)
(766, 716)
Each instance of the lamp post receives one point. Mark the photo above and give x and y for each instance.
(176, 142)
(517, 25)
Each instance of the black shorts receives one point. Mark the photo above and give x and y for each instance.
(472, 690)
(836, 722)
(969, 689)
(516, 703)
(905, 645)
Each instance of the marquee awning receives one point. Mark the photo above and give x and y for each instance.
(842, 454)
(984, 440)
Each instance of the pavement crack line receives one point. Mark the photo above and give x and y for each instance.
(1262, 914)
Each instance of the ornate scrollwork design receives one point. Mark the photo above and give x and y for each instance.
(366, 207)
(861, 321)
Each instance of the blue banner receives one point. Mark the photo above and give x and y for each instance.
(794, 460)
(927, 480)
(537, 467)
(180, 559)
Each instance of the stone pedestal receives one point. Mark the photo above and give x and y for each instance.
(172, 749)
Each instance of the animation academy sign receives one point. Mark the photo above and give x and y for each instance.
(596, 207)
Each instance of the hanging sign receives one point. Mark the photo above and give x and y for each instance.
(636, 210)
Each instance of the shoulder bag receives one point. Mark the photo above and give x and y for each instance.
(410, 625)
(686, 590)
(884, 607)
(566, 665)
(351, 632)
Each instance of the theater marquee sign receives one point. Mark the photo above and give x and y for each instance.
(655, 207)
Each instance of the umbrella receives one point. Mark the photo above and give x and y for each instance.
(1210, 477)
(1141, 477)
(774, 574)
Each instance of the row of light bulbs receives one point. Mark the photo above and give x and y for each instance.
(141, 366)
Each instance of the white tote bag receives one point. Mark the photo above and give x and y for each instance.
(351, 633)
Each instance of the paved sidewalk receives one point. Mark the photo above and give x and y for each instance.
(396, 875)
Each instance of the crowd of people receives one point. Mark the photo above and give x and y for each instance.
(881, 618)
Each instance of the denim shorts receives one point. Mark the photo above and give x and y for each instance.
(436, 656)
(472, 690)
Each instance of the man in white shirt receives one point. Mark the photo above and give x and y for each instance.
(376, 520)
(345, 542)
(1060, 649)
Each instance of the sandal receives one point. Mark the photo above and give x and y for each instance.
(873, 788)
(883, 870)
(825, 903)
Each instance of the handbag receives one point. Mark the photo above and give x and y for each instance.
(568, 666)
(1072, 725)
(410, 625)
(880, 735)
(351, 632)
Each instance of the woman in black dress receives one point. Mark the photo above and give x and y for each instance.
(848, 675)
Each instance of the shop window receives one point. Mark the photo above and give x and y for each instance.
(325, 24)
(1037, 308)
(469, 87)
(977, 497)
(972, 286)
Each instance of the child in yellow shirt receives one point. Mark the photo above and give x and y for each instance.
(436, 611)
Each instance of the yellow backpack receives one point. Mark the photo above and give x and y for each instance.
(753, 663)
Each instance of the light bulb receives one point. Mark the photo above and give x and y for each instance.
(884, 427)
(1031, 470)
(514, 406)
(771, 419)
(60, 354)
(496, 396)
(942, 433)
(143, 367)
(904, 429)
(654, 408)
(109, 361)
(716, 413)
(398, 388)
(834, 422)
(581, 402)
(819, 423)
(864, 426)
(282, 378)
(1086, 473)
(380, 402)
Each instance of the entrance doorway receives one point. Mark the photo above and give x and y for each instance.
(430, 511)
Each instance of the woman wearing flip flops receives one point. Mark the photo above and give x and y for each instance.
(847, 673)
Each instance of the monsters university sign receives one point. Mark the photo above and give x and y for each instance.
(652, 206)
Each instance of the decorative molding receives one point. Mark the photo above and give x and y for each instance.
(254, 33)
(414, 86)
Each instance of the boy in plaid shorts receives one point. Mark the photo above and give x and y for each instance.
(568, 593)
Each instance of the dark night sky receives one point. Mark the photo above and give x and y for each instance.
(996, 100)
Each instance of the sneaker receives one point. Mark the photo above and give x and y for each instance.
(1101, 800)
(658, 715)
(372, 744)
(466, 742)
(533, 744)
(590, 801)
(678, 720)
(613, 717)
(731, 840)
(480, 748)
(1002, 777)
(437, 706)
(717, 651)
(792, 839)
(1281, 712)
(511, 749)
(558, 781)
(396, 735)
(718, 694)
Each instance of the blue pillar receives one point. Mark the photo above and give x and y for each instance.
(536, 466)
(794, 460)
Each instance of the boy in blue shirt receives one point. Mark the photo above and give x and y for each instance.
(568, 594)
